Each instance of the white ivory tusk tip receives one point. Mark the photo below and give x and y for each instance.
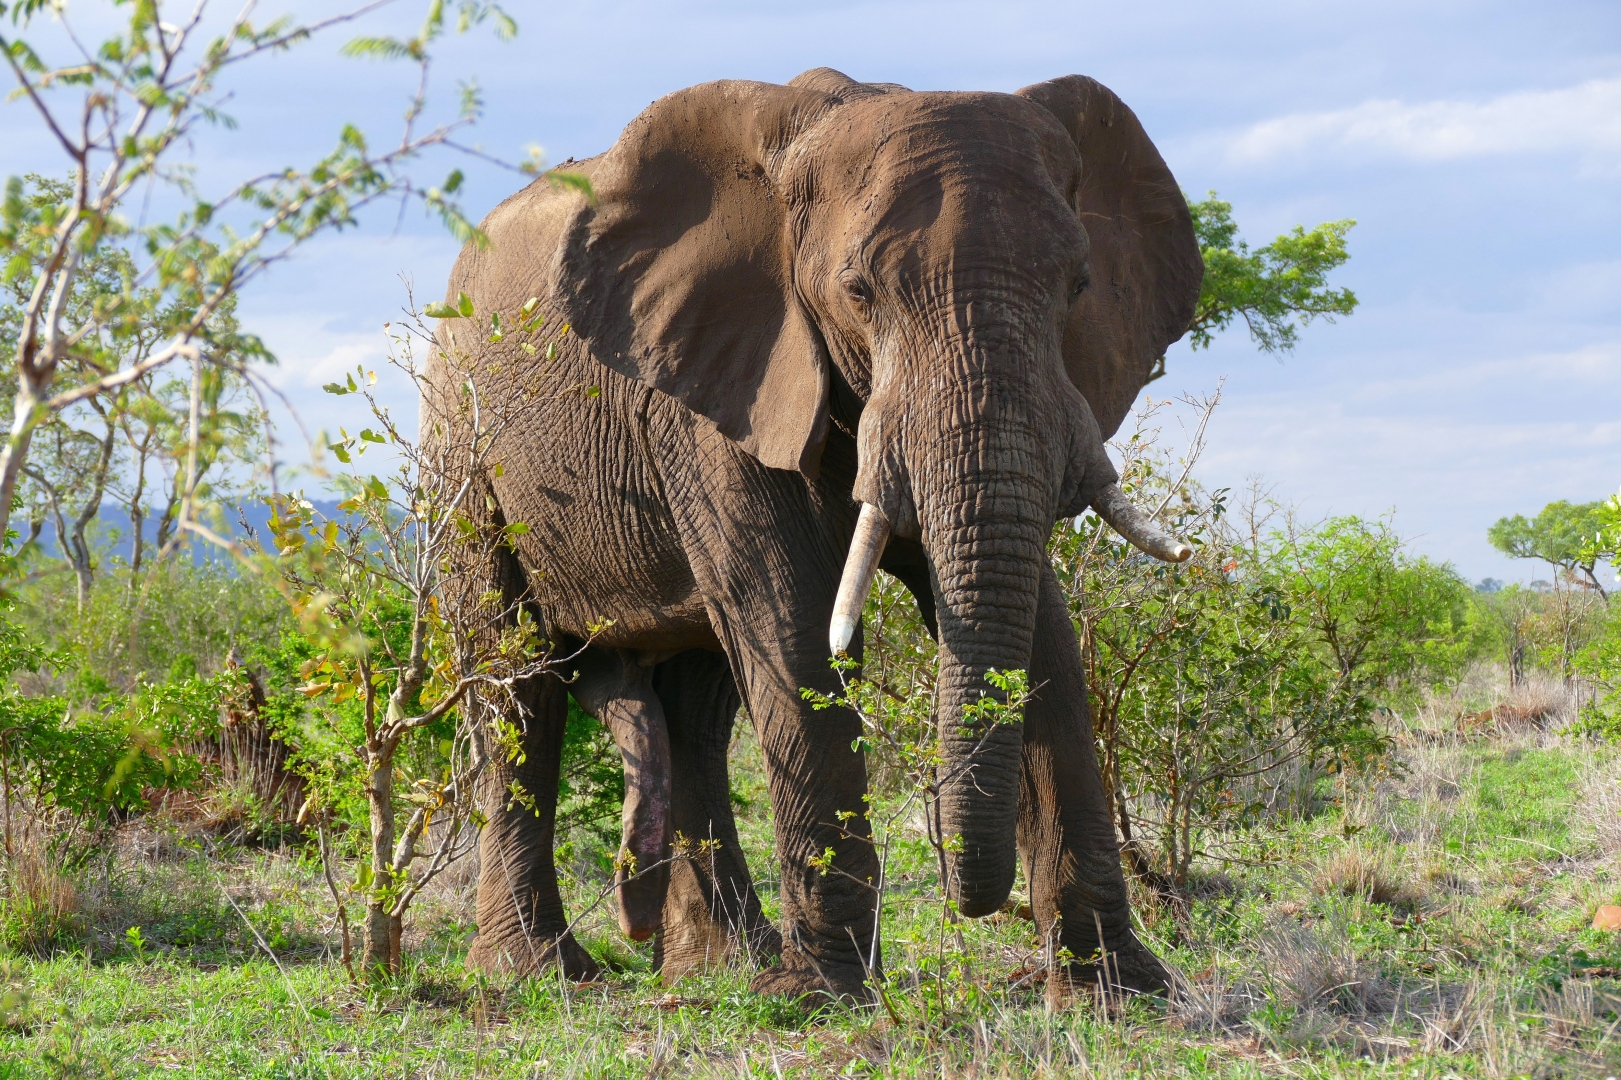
(839, 635)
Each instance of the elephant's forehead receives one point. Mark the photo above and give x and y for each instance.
(972, 178)
(876, 141)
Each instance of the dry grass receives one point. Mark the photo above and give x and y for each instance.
(1597, 816)
(1318, 968)
(40, 904)
(1373, 875)
(1484, 704)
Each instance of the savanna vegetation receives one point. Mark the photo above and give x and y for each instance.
(1368, 810)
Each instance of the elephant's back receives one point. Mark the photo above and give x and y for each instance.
(581, 473)
(523, 233)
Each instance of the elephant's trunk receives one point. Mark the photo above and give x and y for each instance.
(986, 539)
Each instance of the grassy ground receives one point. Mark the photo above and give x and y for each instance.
(1430, 922)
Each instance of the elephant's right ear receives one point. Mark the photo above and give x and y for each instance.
(681, 275)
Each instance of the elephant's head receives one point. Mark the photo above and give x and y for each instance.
(979, 284)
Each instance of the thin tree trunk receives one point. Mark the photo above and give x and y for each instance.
(31, 395)
(82, 567)
(381, 927)
(137, 505)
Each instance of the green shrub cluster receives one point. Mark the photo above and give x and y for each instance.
(93, 757)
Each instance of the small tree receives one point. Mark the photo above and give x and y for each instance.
(1381, 617)
(1513, 611)
(140, 98)
(415, 653)
(116, 443)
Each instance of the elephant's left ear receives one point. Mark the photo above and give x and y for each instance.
(681, 275)
(1145, 261)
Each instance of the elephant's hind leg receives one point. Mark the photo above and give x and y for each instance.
(1066, 835)
(521, 923)
(614, 686)
(711, 912)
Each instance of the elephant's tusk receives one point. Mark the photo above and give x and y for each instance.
(1113, 506)
(866, 548)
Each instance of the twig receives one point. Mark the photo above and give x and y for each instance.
(343, 910)
(291, 989)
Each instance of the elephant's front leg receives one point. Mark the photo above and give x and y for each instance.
(824, 848)
(521, 923)
(769, 566)
(1066, 835)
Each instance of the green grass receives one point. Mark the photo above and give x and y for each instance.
(1521, 797)
(1479, 964)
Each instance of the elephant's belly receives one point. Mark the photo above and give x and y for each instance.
(602, 546)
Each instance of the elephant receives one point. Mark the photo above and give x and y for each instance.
(804, 332)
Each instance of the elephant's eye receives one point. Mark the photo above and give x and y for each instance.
(1079, 285)
(859, 292)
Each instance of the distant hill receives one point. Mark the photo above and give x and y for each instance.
(112, 536)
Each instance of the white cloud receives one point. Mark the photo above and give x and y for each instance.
(1584, 119)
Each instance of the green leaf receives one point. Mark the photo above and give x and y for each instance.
(368, 435)
(464, 304)
(336, 388)
(517, 528)
(382, 48)
(441, 311)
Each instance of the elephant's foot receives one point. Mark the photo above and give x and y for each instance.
(521, 955)
(641, 900)
(799, 976)
(712, 918)
(1131, 970)
(692, 946)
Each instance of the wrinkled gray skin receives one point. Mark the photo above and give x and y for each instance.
(796, 299)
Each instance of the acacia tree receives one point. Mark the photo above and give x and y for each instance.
(1570, 537)
(1275, 289)
(123, 113)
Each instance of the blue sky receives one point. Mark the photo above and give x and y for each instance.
(1478, 146)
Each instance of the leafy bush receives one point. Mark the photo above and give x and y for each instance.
(91, 762)
(1212, 681)
(1600, 662)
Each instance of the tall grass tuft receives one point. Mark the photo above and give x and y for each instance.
(39, 904)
